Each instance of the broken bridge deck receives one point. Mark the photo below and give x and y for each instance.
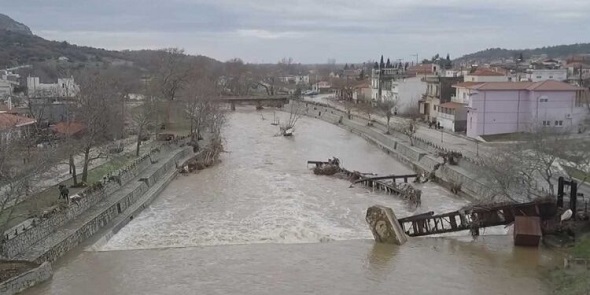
(475, 217)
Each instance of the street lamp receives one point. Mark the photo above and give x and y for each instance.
(441, 135)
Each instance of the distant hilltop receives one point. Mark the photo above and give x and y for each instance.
(558, 51)
(8, 24)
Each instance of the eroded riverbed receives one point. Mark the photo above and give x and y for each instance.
(261, 223)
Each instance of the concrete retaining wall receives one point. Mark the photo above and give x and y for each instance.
(416, 156)
(109, 209)
(21, 242)
(26, 280)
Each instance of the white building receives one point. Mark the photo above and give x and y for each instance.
(544, 74)
(295, 79)
(65, 87)
(8, 81)
(485, 75)
(407, 92)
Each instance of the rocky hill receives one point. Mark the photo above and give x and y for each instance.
(558, 51)
(18, 46)
(8, 24)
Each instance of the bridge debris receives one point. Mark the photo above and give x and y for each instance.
(474, 217)
(527, 231)
(386, 184)
(385, 226)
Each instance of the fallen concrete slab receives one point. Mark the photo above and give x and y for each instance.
(385, 226)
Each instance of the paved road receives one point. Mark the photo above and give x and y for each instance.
(468, 147)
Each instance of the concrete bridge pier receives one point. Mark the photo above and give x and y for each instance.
(233, 106)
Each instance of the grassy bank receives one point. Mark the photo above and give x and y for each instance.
(574, 280)
(38, 202)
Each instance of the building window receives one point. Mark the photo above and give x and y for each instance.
(550, 77)
(543, 99)
(559, 123)
(539, 77)
(546, 123)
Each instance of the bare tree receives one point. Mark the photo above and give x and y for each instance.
(144, 118)
(199, 105)
(17, 177)
(507, 176)
(542, 148)
(368, 109)
(236, 78)
(386, 108)
(124, 81)
(576, 158)
(169, 75)
(97, 110)
(296, 111)
(519, 171)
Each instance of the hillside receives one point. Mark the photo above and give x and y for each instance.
(558, 51)
(8, 24)
(17, 49)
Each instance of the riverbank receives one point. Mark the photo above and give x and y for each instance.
(103, 208)
(421, 156)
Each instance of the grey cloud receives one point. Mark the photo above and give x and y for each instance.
(356, 30)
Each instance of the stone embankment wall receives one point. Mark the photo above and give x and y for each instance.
(151, 181)
(420, 156)
(26, 280)
(94, 194)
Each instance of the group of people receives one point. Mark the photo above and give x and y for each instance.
(435, 124)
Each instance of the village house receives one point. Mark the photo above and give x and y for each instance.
(14, 127)
(539, 75)
(439, 90)
(485, 75)
(8, 81)
(65, 87)
(508, 107)
(405, 86)
(361, 92)
(452, 115)
(321, 87)
(295, 79)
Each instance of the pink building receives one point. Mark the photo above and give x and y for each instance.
(508, 107)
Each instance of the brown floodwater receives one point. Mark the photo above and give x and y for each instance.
(260, 222)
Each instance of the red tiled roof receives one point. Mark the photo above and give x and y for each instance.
(553, 85)
(548, 85)
(485, 72)
(421, 69)
(68, 128)
(467, 84)
(452, 105)
(9, 120)
(363, 84)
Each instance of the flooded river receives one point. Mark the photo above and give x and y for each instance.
(261, 223)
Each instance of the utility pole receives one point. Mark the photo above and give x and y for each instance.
(416, 55)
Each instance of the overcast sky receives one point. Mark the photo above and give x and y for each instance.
(309, 31)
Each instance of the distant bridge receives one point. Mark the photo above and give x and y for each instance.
(255, 100)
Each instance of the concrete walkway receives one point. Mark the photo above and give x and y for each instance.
(468, 147)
